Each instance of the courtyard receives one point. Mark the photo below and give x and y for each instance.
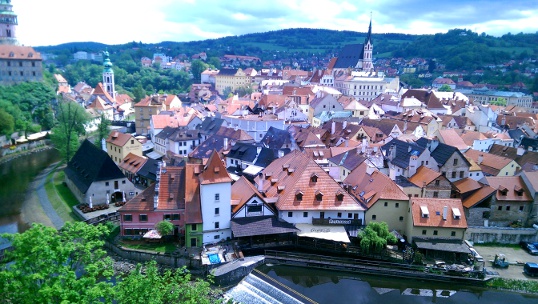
(516, 256)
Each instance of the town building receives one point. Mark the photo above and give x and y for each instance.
(231, 79)
(119, 145)
(93, 177)
(19, 64)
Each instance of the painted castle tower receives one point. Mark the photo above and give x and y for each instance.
(108, 76)
(8, 23)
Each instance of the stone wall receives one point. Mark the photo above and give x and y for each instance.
(233, 272)
(502, 235)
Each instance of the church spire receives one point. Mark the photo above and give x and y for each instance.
(108, 75)
(369, 36)
(367, 64)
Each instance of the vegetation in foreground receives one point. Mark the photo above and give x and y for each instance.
(514, 285)
(71, 266)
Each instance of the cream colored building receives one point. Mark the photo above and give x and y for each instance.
(231, 78)
(118, 145)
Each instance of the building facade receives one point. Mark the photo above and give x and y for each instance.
(19, 64)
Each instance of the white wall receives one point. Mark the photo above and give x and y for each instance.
(207, 195)
(298, 215)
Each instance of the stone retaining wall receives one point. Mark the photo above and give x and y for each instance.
(502, 235)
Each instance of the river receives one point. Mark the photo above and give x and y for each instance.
(15, 178)
(267, 282)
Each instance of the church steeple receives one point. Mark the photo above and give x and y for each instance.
(108, 75)
(367, 64)
(8, 23)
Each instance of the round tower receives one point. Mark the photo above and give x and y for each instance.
(108, 75)
(8, 23)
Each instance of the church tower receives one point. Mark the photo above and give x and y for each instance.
(367, 64)
(8, 23)
(108, 76)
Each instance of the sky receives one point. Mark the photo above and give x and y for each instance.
(52, 22)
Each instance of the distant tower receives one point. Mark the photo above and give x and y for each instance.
(108, 75)
(367, 64)
(8, 23)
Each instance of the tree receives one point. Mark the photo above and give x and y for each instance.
(445, 88)
(71, 119)
(375, 236)
(197, 67)
(51, 266)
(102, 130)
(7, 123)
(150, 287)
(164, 227)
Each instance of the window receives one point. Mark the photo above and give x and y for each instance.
(453, 233)
(175, 217)
(401, 218)
(500, 208)
(437, 182)
(454, 174)
(217, 225)
(299, 196)
(167, 216)
(397, 205)
(217, 197)
(521, 208)
(132, 141)
(423, 232)
(386, 204)
(435, 194)
(216, 237)
(106, 183)
(123, 182)
(314, 178)
(322, 214)
(455, 161)
(290, 214)
(143, 218)
(374, 216)
(127, 217)
(507, 208)
(349, 215)
(193, 227)
(254, 208)
(217, 211)
(435, 232)
(339, 214)
(305, 214)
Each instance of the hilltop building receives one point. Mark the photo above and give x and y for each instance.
(356, 56)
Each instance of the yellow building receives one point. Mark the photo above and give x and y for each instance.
(119, 144)
(231, 78)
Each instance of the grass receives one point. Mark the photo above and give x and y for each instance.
(60, 196)
(514, 285)
(166, 247)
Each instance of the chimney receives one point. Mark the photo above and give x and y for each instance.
(520, 150)
(280, 153)
(260, 183)
(157, 186)
(503, 121)
(392, 152)
(445, 212)
(258, 150)
(364, 145)
(333, 127)
(480, 159)
(344, 124)
(225, 144)
(409, 149)
(369, 169)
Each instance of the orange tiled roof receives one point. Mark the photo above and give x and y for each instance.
(214, 171)
(435, 209)
(452, 138)
(478, 196)
(17, 52)
(492, 161)
(99, 90)
(369, 188)
(141, 202)
(296, 182)
(118, 139)
(242, 191)
(513, 187)
(424, 175)
(132, 162)
(172, 189)
(467, 184)
(193, 208)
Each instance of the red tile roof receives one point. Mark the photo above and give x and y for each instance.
(132, 162)
(435, 207)
(513, 187)
(118, 139)
(287, 177)
(242, 191)
(215, 171)
(424, 176)
(172, 189)
(193, 208)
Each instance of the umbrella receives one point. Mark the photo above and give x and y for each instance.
(107, 199)
(91, 203)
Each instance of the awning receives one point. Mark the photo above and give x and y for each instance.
(152, 234)
(154, 155)
(456, 246)
(332, 233)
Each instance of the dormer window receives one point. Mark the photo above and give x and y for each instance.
(11, 54)
(319, 196)
(456, 213)
(30, 55)
(425, 213)
(518, 190)
(314, 178)
(299, 195)
(503, 191)
(340, 196)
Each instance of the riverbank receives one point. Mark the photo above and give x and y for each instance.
(12, 156)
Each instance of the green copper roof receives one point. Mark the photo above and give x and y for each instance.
(107, 65)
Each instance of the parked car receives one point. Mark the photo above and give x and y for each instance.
(477, 257)
(531, 269)
(531, 249)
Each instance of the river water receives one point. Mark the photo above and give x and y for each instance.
(15, 178)
(289, 284)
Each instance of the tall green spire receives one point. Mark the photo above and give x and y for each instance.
(107, 65)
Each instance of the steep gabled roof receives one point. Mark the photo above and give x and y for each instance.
(133, 163)
(242, 192)
(119, 139)
(442, 152)
(275, 138)
(91, 164)
(404, 151)
(193, 206)
(349, 56)
(510, 188)
(214, 171)
(424, 176)
(350, 159)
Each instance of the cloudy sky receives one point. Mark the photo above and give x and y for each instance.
(53, 22)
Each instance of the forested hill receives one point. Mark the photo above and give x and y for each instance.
(456, 48)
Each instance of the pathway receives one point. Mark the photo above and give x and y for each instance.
(38, 193)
